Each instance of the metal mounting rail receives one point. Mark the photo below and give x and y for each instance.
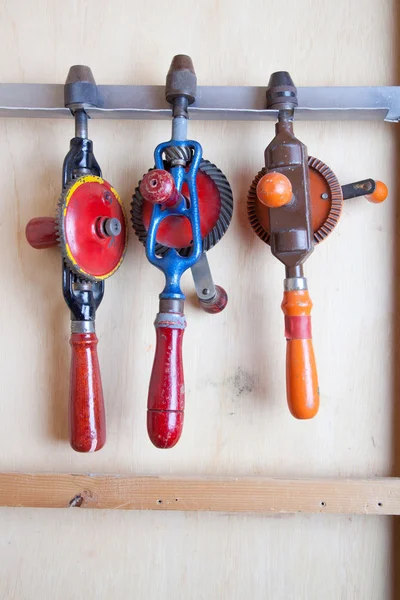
(212, 103)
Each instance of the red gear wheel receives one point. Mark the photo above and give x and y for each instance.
(84, 207)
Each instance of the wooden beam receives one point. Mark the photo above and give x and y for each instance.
(379, 496)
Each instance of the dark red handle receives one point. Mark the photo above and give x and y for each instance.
(87, 420)
(216, 304)
(166, 400)
(41, 233)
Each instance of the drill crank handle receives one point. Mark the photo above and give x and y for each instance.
(166, 398)
(301, 372)
(87, 422)
(213, 298)
(374, 191)
(41, 233)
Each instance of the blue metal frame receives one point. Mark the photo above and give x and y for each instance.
(172, 264)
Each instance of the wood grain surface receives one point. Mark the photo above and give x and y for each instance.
(379, 496)
(236, 422)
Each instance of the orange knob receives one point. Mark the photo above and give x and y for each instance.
(380, 194)
(274, 190)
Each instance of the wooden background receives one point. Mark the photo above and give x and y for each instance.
(237, 422)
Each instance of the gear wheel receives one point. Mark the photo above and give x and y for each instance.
(326, 202)
(91, 228)
(224, 211)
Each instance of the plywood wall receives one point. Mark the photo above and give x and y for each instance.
(237, 422)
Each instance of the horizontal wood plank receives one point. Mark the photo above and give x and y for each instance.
(378, 496)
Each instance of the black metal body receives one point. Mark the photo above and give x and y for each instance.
(82, 297)
(79, 161)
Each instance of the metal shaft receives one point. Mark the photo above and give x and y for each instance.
(294, 272)
(81, 124)
(295, 279)
(179, 128)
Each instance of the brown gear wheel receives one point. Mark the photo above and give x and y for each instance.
(325, 212)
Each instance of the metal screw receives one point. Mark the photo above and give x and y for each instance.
(107, 197)
(206, 291)
(324, 196)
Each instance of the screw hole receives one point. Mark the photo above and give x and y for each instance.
(176, 499)
(153, 182)
(159, 501)
(323, 503)
(380, 504)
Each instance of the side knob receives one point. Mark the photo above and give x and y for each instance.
(274, 190)
(158, 187)
(379, 194)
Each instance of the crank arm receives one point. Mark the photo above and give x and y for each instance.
(374, 191)
(213, 298)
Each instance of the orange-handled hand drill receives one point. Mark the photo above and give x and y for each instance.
(293, 204)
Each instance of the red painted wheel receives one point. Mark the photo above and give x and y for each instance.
(215, 208)
(176, 232)
(92, 228)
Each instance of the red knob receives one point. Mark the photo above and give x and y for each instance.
(41, 232)
(158, 187)
(216, 304)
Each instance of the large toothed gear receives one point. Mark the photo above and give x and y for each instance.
(215, 207)
(326, 202)
(91, 228)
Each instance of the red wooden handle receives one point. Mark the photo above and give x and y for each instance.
(86, 406)
(166, 399)
(301, 371)
(41, 232)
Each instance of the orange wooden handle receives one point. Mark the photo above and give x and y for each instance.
(87, 420)
(301, 371)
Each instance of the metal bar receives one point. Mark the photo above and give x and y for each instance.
(212, 103)
(376, 496)
(203, 281)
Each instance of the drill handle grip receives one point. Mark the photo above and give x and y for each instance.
(166, 399)
(41, 233)
(86, 404)
(301, 372)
